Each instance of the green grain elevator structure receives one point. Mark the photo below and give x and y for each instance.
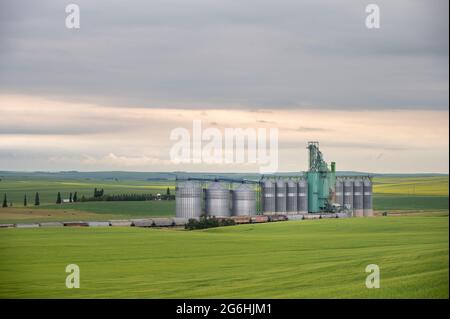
(321, 180)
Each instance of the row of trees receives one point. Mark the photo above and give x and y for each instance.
(127, 197)
(37, 201)
(99, 195)
(72, 199)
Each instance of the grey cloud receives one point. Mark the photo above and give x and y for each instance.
(299, 145)
(37, 129)
(242, 54)
(371, 146)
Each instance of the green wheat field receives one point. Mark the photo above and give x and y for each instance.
(295, 259)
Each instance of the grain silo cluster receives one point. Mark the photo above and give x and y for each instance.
(215, 198)
(316, 192)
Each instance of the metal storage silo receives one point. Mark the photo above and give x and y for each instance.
(340, 192)
(292, 195)
(367, 197)
(348, 194)
(188, 200)
(244, 200)
(313, 192)
(281, 196)
(302, 200)
(217, 200)
(268, 196)
(358, 198)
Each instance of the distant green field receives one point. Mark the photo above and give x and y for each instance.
(412, 186)
(48, 188)
(405, 202)
(390, 194)
(411, 193)
(304, 259)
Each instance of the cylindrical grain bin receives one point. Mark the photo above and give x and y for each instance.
(313, 192)
(281, 196)
(302, 199)
(348, 194)
(358, 198)
(340, 192)
(367, 198)
(217, 200)
(244, 201)
(268, 196)
(292, 195)
(188, 199)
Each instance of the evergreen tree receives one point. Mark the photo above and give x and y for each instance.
(5, 202)
(25, 203)
(168, 191)
(70, 198)
(75, 197)
(37, 201)
(58, 198)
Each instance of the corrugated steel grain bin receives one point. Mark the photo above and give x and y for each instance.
(244, 200)
(188, 199)
(281, 196)
(367, 198)
(217, 201)
(348, 194)
(302, 201)
(268, 196)
(340, 192)
(292, 197)
(358, 198)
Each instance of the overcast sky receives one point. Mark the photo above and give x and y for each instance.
(98, 97)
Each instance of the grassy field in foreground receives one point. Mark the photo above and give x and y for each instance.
(304, 259)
